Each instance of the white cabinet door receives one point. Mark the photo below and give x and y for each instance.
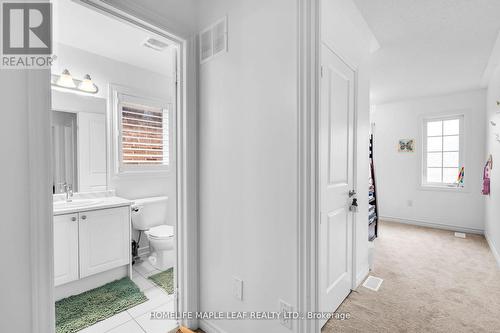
(65, 248)
(104, 240)
(91, 151)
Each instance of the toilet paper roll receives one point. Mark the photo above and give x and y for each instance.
(152, 260)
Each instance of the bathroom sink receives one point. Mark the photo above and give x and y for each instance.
(76, 203)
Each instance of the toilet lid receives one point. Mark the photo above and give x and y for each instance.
(161, 231)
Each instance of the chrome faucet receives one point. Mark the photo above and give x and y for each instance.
(68, 189)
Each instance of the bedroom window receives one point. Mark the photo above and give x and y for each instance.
(442, 151)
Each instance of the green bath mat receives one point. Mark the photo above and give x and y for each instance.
(165, 280)
(79, 311)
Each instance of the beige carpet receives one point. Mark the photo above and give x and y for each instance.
(433, 282)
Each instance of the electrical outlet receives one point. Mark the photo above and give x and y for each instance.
(238, 288)
(286, 314)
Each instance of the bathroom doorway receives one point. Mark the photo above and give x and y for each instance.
(118, 218)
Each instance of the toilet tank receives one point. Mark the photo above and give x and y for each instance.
(149, 212)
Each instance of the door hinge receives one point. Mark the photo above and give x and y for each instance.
(321, 70)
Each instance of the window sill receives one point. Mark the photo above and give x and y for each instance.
(442, 188)
(144, 174)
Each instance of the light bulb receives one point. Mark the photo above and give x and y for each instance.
(87, 85)
(66, 80)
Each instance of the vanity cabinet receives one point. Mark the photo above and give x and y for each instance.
(104, 240)
(65, 248)
(91, 242)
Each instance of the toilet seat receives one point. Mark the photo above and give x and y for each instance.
(161, 232)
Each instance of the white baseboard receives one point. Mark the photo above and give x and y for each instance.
(434, 225)
(210, 327)
(362, 275)
(493, 248)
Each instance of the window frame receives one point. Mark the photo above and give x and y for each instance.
(461, 152)
(124, 95)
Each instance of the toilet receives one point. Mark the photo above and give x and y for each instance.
(150, 216)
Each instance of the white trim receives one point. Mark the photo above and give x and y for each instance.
(354, 220)
(118, 94)
(422, 119)
(493, 248)
(209, 327)
(434, 225)
(307, 206)
(40, 201)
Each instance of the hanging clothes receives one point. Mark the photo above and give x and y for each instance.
(486, 178)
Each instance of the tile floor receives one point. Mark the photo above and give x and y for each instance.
(138, 319)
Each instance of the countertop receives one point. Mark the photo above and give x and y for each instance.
(60, 206)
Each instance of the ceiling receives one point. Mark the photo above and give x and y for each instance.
(429, 47)
(83, 28)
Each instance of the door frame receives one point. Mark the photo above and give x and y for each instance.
(40, 195)
(309, 78)
(352, 165)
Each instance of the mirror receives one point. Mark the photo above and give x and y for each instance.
(78, 151)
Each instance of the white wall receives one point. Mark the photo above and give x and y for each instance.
(248, 162)
(492, 215)
(345, 32)
(398, 174)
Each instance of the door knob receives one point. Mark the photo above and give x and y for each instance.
(73, 219)
(84, 217)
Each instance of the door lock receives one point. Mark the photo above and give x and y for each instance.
(354, 206)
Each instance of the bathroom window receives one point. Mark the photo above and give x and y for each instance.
(143, 134)
(442, 151)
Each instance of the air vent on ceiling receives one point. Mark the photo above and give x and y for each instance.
(155, 44)
(213, 40)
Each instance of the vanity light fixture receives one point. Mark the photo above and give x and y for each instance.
(87, 85)
(68, 82)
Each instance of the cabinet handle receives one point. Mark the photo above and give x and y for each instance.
(73, 219)
(84, 217)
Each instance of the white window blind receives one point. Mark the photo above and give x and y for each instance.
(443, 150)
(144, 133)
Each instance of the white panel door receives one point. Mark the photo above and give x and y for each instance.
(65, 248)
(104, 240)
(336, 179)
(91, 151)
